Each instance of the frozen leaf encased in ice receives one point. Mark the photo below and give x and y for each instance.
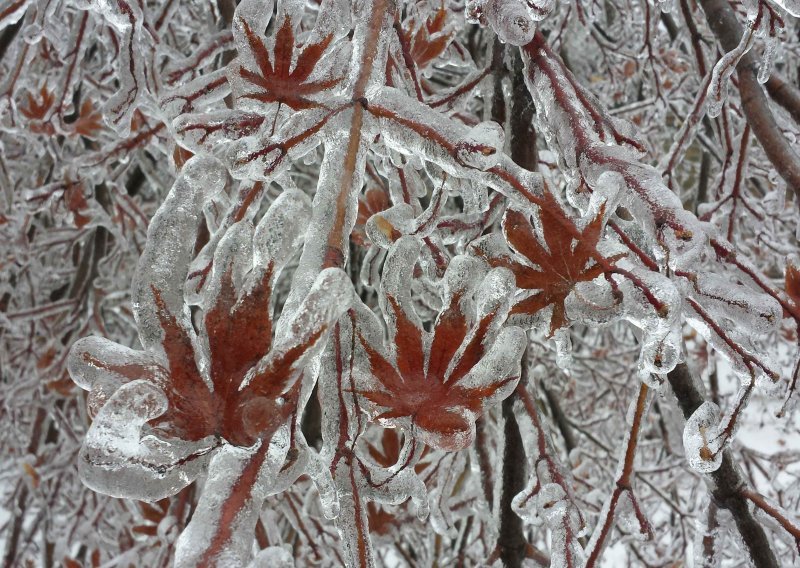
(234, 382)
(436, 384)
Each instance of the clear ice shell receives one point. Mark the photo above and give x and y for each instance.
(117, 460)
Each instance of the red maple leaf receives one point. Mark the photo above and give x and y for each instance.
(89, 120)
(424, 382)
(35, 110)
(76, 202)
(550, 269)
(430, 41)
(276, 81)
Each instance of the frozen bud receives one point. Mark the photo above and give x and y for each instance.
(701, 440)
(482, 147)
(168, 529)
(550, 495)
(32, 34)
(563, 343)
(660, 351)
(386, 227)
(552, 503)
(511, 20)
(609, 189)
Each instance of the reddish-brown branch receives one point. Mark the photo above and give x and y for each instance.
(789, 525)
(544, 453)
(622, 485)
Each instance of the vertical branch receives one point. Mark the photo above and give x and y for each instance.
(343, 430)
(333, 218)
(342, 170)
(511, 541)
(484, 462)
(548, 470)
(225, 530)
(523, 133)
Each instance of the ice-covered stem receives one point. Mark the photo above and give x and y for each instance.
(622, 485)
(711, 535)
(726, 253)
(788, 524)
(511, 540)
(342, 169)
(342, 428)
(410, 127)
(334, 214)
(696, 37)
(223, 524)
(726, 27)
(548, 470)
(728, 485)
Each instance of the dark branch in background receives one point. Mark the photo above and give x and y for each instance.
(23, 495)
(8, 36)
(785, 95)
(726, 27)
(511, 541)
(559, 418)
(523, 134)
(729, 487)
(484, 461)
